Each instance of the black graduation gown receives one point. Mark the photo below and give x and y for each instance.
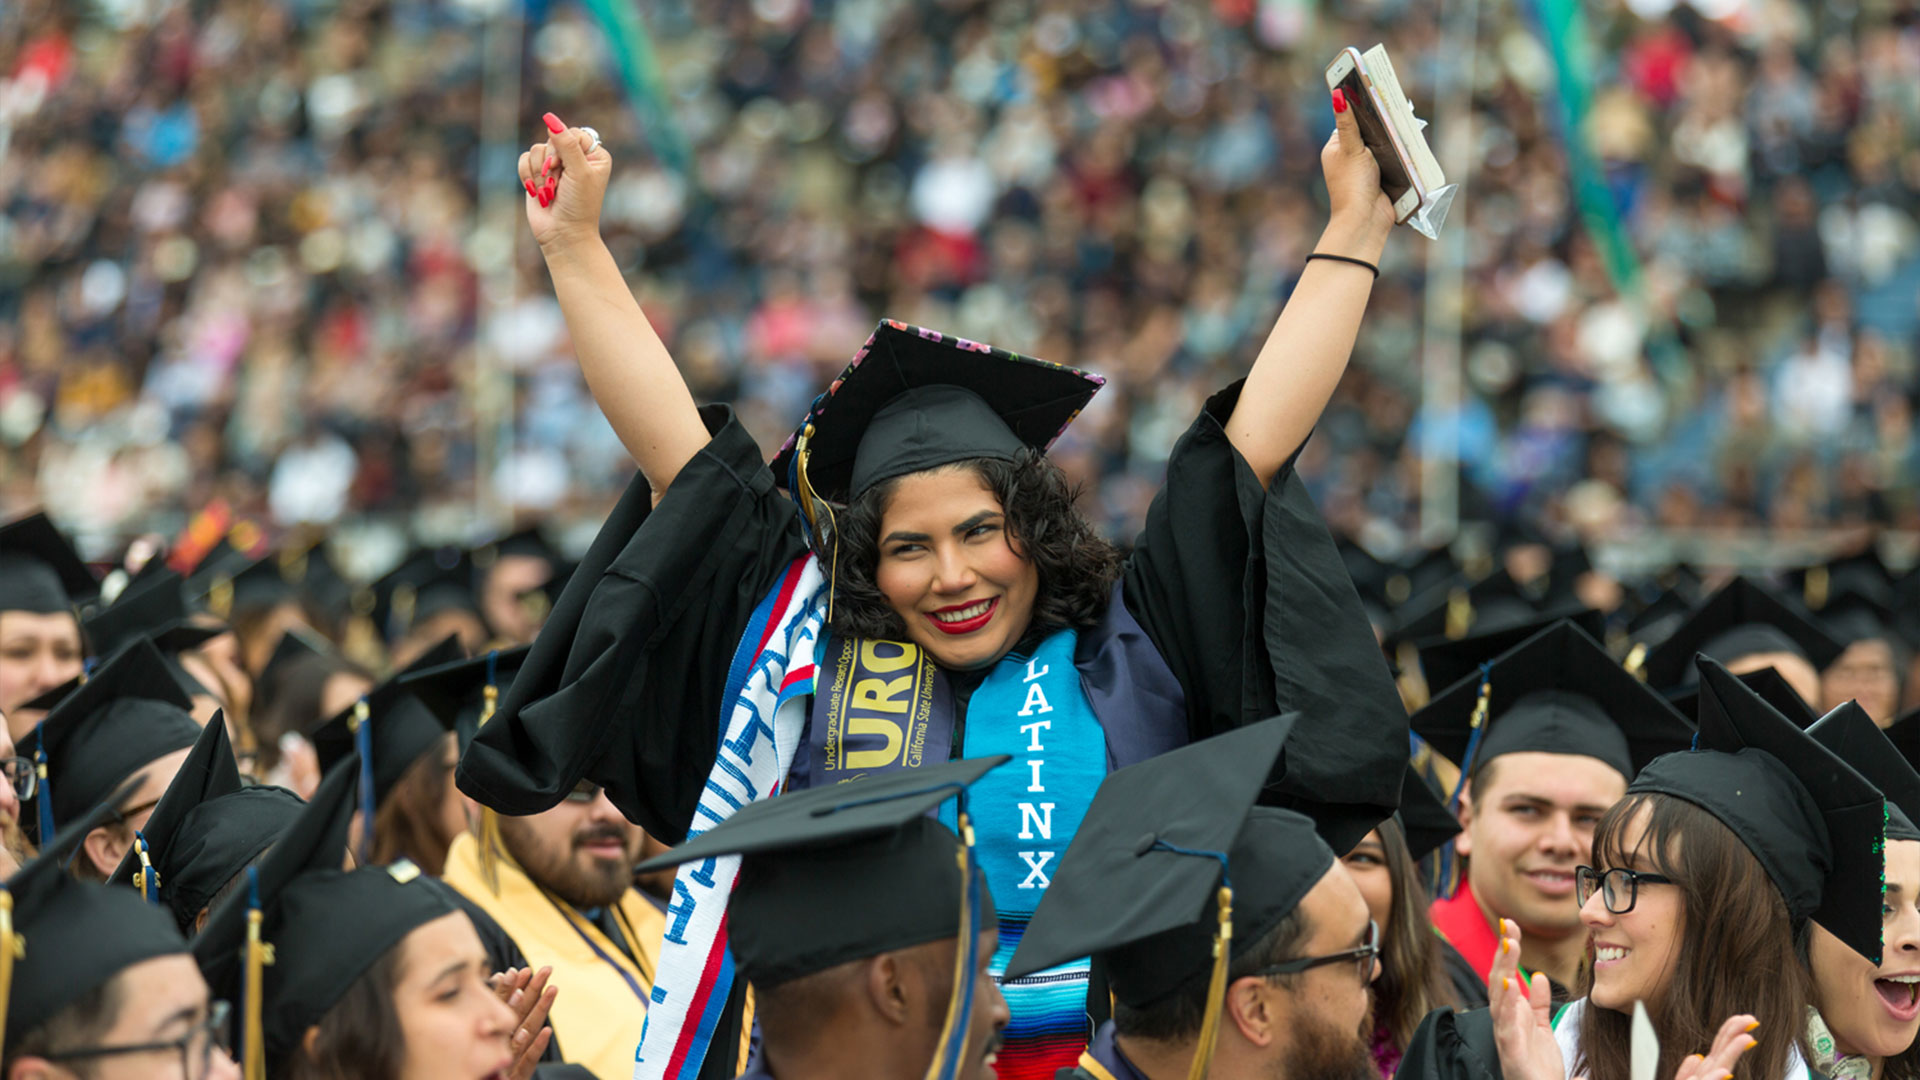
(1451, 1045)
(1238, 587)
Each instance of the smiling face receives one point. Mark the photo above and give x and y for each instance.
(1529, 823)
(37, 653)
(1634, 954)
(1874, 1011)
(454, 1027)
(950, 571)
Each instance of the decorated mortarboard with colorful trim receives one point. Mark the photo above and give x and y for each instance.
(61, 938)
(290, 945)
(130, 714)
(40, 572)
(915, 399)
(836, 874)
(1815, 825)
(1176, 869)
(1743, 619)
(1849, 732)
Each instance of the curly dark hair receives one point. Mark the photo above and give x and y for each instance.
(1077, 567)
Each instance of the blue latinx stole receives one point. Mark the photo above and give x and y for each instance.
(883, 705)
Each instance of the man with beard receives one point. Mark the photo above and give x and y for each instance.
(1234, 943)
(561, 884)
(843, 921)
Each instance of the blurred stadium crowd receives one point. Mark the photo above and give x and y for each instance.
(239, 256)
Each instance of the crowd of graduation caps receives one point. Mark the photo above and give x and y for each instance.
(167, 734)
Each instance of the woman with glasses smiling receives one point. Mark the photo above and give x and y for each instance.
(1706, 885)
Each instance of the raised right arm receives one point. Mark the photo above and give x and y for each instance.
(627, 367)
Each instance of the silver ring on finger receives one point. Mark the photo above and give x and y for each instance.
(595, 135)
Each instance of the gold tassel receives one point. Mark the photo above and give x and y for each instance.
(220, 597)
(810, 506)
(1814, 591)
(490, 842)
(1414, 691)
(1216, 989)
(1459, 614)
(259, 957)
(1636, 661)
(12, 947)
(1481, 704)
(944, 1045)
(146, 865)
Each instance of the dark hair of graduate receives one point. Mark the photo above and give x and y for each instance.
(408, 823)
(1413, 981)
(1077, 566)
(1176, 1017)
(76, 1027)
(1738, 950)
(360, 1038)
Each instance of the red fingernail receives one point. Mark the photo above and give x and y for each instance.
(1339, 101)
(553, 123)
(528, 184)
(553, 186)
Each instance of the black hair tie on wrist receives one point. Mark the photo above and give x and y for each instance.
(1342, 258)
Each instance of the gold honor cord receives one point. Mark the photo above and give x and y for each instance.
(810, 506)
(1815, 590)
(947, 1051)
(1216, 989)
(12, 946)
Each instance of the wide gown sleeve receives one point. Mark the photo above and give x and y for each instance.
(1241, 589)
(622, 687)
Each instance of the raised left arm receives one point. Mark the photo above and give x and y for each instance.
(1306, 353)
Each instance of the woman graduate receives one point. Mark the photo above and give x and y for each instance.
(924, 590)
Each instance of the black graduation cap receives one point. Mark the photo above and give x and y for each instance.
(47, 701)
(400, 727)
(1657, 621)
(1452, 610)
(1140, 885)
(914, 399)
(1861, 571)
(69, 937)
(464, 693)
(1446, 661)
(528, 542)
(427, 582)
(1864, 613)
(326, 926)
(1813, 822)
(1850, 733)
(1558, 692)
(1768, 683)
(1904, 734)
(206, 829)
(39, 571)
(834, 874)
(154, 605)
(130, 714)
(1571, 562)
(253, 586)
(1423, 816)
(1742, 619)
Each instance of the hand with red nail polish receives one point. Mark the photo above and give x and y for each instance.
(563, 217)
(1361, 211)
